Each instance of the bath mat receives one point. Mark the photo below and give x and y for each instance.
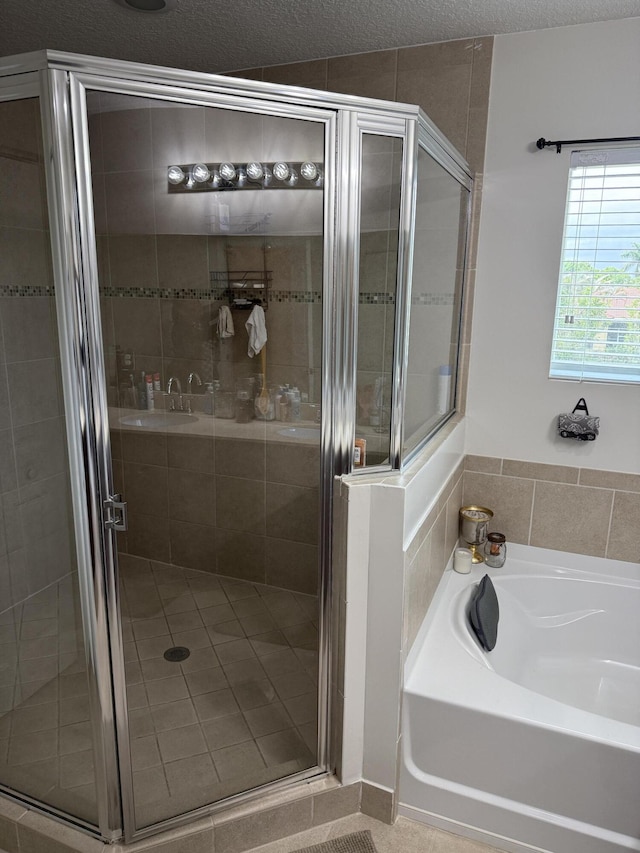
(355, 842)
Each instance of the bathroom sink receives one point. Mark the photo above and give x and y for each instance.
(158, 420)
(300, 432)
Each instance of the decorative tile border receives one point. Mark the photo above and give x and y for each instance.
(220, 294)
(26, 290)
(433, 299)
(163, 293)
(377, 298)
(311, 297)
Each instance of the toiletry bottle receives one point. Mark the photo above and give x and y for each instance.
(444, 388)
(142, 392)
(148, 381)
(285, 409)
(207, 403)
(131, 397)
(295, 404)
(156, 383)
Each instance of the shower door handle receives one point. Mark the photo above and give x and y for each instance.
(115, 511)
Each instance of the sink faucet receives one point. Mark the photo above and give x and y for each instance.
(193, 376)
(175, 381)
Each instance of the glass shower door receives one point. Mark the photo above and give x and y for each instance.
(209, 235)
(46, 743)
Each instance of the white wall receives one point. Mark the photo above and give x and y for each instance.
(569, 83)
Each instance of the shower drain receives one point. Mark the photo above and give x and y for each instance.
(177, 653)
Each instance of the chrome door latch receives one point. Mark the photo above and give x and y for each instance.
(115, 513)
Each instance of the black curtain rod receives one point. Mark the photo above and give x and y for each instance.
(544, 143)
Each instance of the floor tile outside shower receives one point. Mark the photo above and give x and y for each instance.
(240, 711)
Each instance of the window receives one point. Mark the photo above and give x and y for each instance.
(596, 333)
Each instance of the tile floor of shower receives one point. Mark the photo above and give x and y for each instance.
(239, 712)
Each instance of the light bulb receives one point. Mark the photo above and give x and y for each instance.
(281, 171)
(255, 171)
(227, 171)
(200, 173)
(309, 171)
(175, 175)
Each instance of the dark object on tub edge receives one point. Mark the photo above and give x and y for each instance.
(484, 614)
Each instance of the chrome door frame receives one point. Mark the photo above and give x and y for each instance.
(78, 83)
(85, 435)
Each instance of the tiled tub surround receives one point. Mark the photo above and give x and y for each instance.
(428, 554)
(565, 508)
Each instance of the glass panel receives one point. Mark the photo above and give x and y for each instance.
(46, 741)
(436, 293)
(220, 468)
(379, 220)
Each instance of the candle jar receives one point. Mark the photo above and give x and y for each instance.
(495, 550)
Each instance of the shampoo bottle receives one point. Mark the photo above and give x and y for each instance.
(148, 381)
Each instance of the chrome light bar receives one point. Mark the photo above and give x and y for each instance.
(213, 177)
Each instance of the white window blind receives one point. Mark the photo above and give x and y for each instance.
(596, 333)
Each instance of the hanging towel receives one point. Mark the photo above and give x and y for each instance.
(257, 330)
(225, 323)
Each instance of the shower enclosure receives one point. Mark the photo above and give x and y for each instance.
(166, 475)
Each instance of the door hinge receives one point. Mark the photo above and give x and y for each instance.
(115, 513)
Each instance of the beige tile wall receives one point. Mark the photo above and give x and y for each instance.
(581, 510)
(36, 543)
(449, 80)
(243, 509)
(427, 556)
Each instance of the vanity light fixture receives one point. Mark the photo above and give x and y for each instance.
(200, 173)
(309, 171)
(281, 171)
(286, 173)
(255, 171)
(253, 175)
(175, 175)
(227, 171)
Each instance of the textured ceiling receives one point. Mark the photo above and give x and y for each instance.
(233, 34)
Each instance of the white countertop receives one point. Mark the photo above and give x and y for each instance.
(200, 424)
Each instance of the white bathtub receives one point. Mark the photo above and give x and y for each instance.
(535, 745)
